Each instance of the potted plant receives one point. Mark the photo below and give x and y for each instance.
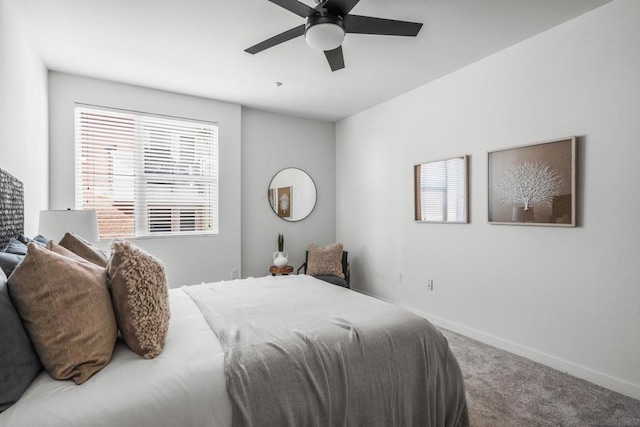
(280, 242)
(280, 257)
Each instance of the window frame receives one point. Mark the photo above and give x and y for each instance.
(166, 163)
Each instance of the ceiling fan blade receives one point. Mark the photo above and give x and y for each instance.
(389, 27)
(296, 7)
(335, 58)
(276, 40)
(340, 7)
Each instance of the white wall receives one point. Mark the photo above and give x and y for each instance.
(270, 143)
(567, 297)
(23, 114)
(187, 260)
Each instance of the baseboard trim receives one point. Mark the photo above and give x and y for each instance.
(603, 380)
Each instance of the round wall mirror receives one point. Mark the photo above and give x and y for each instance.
(292, 194)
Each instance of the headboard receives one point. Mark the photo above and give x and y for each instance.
(11, 207)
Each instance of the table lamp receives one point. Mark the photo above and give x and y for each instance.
(54, 224)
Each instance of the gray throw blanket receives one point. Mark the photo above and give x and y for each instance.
(301, 352)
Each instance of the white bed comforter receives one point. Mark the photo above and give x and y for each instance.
(184, 386)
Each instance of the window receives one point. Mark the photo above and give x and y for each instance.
(146, 175)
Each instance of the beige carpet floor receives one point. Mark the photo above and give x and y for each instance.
(507, 390)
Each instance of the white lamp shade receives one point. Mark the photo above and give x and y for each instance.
(54, 224)
(325, 36)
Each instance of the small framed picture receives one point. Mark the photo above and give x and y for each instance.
(284, 202)
(441, 191)
(534, 184)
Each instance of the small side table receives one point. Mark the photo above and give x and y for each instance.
(288, 269)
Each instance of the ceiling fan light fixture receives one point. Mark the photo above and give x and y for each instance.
(328, 23)
(324, 32)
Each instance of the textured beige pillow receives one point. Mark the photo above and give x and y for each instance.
(140, 298)
(86, 250)
(325, 261)
(66, 310)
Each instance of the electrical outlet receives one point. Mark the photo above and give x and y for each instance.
(234, 274)
(399, 278)
(430, 284)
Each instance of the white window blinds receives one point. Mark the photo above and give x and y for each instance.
(441, 191)
(146, 175)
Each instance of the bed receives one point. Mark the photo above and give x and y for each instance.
(268, 351)
(184, 386)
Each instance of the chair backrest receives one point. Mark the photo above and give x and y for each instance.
(345, 262)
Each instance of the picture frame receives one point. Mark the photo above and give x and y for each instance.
(285, 202)
(533, 184)
(441, 191)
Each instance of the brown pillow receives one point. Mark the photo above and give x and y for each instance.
(86, 250)
(140, 298)
(325, 261)
(60, 250)
(66, 310)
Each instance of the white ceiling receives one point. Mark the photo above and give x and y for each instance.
(196, 47)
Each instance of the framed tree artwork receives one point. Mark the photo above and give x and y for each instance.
(534, 184)
(284, 202)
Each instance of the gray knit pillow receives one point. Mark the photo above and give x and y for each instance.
(140, 298)
(325, 261)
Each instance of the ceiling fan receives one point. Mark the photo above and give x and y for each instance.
(329, 22)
